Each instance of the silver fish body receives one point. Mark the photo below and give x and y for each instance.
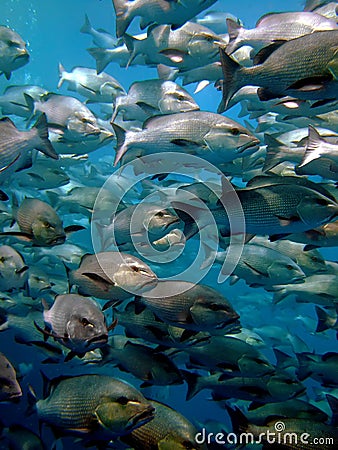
(10, 389)
(13, 51)
(13, 270)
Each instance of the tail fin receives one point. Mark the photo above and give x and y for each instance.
(230, 69)
(192, 380)
(123, 18)
(131, 44)
(273, 155)
(313, 147)
(102, 57)
(304, 359)
(121, 148)
(325, 321)
(62, 71)
(234, 30)
(44, 146)
(86, 27)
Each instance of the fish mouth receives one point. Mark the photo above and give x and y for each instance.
(175, 220)
(22, 57)
(141, 418)
(230, 321)
(58, 240)
(101, 339)
(253, 143)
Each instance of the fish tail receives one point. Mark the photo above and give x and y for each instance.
(323, 320)
(62, 72)
(31, 106)
(192, 380)
(102, 58)
(273, 156)
(131, 44)
(304, 359)
(121, 148)
(234, 30)
(230, 69)
(312, 151)
(239, 422)
(86, 27)
(44, 145)
(123, 16)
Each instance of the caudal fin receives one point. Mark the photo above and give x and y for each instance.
(313, 148)
(121, 148)
(123, 18)
(230, 69)
(44, 145)
(86, 27)
(102, 57)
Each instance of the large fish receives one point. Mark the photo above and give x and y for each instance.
(97, 405)
(197, 307)
(168, 430)
(10, 389)
(301, 67)
(13, 101)
(205, 134)
(156, 11)
(13, 270)
(153, 97)
(13, 51)
(277, 27)
(14, 144)
(112, 275)
(77, 322)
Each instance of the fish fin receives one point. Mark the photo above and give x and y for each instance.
(3, 196)
(174, 55)
(310, 84)
(25, 237)
(148, 109)
(44, 145)
(273, 157)
(239, 422)
(131, 44)
(86, 27)
(333, 403)
(155, 331)
(62, 70)
(282, 359)
(102, 58)
(139, 306)
(73, 228)
(70, 355)
(231, 70)
(184, 143)
(146, 384)
(121, 148)
(255, 271)
(111, 303)
(99, 281)
(192, 380)
(201, 85)
(233, 279)
(123, 18)
(312, 150)
(265, 94)
(233, 29)
(7, 75)
(166, 73)
(187, 334)
(265, 52)
(323, 318)
(333, 66)
(286, 221)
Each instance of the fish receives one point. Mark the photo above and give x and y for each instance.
(97, 406)
(191, 306)
(208, 135)
(154, 368)
(152, 222)
(10, 389)
(13, 269)
(234, 357)
(299, 67)
(13, 101)
(320, 367)
(67, 113)
(77, 323)
(42, 176)
(14, 144)
(260, 266)
(153, 97)
(275, 28)
(100, 88)
(38, 223)
(186, 48)
(13, 51)
(112, 276)
(101, 38)
(168, 430)
(156, 11)
(317, 147)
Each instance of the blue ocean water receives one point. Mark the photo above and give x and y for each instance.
(52, 31)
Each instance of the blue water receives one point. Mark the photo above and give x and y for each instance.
(51, 29)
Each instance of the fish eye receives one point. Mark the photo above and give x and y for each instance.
(122, 400)
(160, 214)
(314, 259)
(234, 131)
(47, 225)
(322, 202)
(135, 268)
(85, 322)
(289, 267)
(4, 382)
(13, 44)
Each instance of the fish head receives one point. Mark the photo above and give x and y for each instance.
(134, 276)
(13, 49)
(283, 271)
(48, 230)
(315, 208)
(121, 414)
(82, 125)
(176, 99)
(209, 312)
(87, 327)
(159, 222)
(9, 386)
(204, 43)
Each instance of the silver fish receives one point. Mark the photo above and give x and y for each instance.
(13, 101)
(100, 37)
(13, 270)
(13, 51)
(112, 276)
(95, 87)
(10, 389)
(156, 11)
